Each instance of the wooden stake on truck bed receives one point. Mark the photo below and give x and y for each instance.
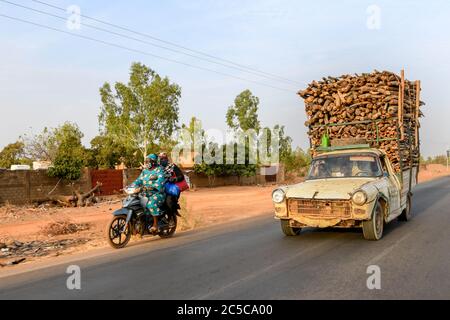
(418, 88)
(401, 99)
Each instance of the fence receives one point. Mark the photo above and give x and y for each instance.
(111, 180)
(22, 187)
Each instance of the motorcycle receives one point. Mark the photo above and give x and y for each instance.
(132, 219)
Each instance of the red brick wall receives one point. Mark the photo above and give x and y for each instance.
(111, 180)
(130, 175)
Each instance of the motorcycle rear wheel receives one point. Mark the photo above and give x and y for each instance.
(115, 237)
(169, 232)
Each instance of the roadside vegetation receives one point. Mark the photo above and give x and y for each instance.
(440, 159)
(138, 118)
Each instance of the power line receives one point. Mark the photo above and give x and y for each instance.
(141, 52)
(170, 43)
(136, 39)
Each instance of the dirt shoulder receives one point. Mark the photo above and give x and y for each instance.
(432, 171)
(41, 233)
(35, 233)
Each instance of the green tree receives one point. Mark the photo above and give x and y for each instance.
(70, 155)
(298, 161)
(285, 143)
(222, 169)
(293, 160)
(194, 125)
(106, 153)
(194, 137)
(66, 166)
(142, 114)
(244, 113)
(12, 154)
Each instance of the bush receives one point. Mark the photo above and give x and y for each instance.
(66, 167)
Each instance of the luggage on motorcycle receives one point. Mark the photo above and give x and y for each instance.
(172, 189)
(182, 185)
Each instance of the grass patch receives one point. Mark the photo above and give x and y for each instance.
(188, 220)
(63, 227)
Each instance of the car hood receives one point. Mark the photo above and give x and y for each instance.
(329, 189)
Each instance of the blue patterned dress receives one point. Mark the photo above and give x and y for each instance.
(155, 188)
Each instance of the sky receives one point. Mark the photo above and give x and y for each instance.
(47, 77)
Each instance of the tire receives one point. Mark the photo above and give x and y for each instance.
(406, 214)
(288, 230)
(168, 233)
(112, 233)
(373, 229)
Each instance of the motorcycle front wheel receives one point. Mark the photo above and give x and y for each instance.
(118, 233)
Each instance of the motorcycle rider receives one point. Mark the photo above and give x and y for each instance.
(152, 179)
(173, 174)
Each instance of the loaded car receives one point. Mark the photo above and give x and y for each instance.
(365, 147)
(347, 187)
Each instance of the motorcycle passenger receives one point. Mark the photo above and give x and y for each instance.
(152, 179)
(173, 174)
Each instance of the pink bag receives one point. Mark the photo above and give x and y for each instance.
(183, 185)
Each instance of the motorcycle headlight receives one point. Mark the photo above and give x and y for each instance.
(359, 198)
(278, 196)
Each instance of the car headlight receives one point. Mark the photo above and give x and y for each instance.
(278, 196)
(359, 198)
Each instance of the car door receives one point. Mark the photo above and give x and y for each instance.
(394, 187)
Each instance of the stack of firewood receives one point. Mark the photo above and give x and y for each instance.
(381, 108)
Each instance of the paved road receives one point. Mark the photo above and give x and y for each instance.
(253, 260)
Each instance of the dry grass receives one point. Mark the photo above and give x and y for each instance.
(188, 220)
(63, 227)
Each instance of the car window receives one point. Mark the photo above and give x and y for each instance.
(345, 166)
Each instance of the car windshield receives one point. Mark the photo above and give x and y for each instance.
(345, 166)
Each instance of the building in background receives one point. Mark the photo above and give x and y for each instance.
(41, 165)
(18, 167)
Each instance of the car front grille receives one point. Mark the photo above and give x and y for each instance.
(320, 208)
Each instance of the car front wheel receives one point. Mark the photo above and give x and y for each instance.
(373, 229)
(288, 230)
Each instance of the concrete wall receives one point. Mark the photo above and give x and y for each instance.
(21, 187)
(202, 181)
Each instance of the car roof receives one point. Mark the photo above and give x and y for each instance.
(351, 151)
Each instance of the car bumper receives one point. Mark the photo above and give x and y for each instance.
(323, 213)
